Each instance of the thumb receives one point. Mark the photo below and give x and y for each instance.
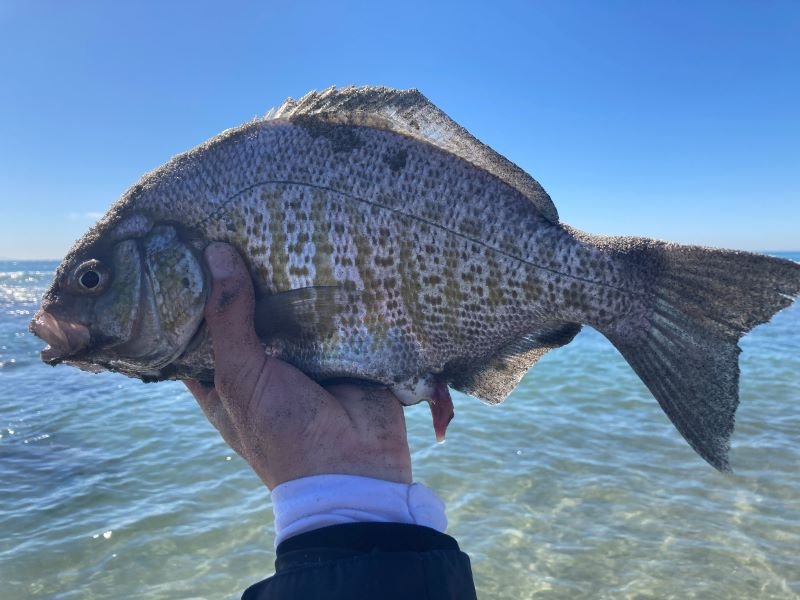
(229, 315)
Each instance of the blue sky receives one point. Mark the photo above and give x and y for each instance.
(678, 120)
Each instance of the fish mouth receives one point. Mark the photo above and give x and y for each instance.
(65, 338)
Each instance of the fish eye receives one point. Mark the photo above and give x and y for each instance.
(89, 279)
(91, 276)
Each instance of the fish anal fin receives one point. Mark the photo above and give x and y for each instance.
(409, 113)
(493, 380)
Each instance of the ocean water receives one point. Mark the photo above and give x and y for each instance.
(576, 487)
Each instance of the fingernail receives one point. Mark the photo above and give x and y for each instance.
(219, 260)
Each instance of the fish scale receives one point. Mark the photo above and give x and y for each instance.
(388, 245)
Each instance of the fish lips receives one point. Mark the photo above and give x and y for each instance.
(65, 338)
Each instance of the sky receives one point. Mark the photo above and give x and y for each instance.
(675, 120)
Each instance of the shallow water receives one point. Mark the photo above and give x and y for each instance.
(576, 487)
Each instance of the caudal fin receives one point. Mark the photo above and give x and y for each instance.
(682, 341)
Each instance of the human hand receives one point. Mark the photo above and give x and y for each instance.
(282, 423)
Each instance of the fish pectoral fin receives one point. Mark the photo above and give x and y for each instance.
(494, 379)
(302, 313)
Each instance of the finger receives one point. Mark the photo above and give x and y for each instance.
(372, 409)
(229, 315)
(197, 389)
(217, 414)
(377, 422)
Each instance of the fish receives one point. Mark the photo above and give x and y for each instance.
(389, 246)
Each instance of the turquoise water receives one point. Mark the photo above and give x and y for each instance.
(576, 487)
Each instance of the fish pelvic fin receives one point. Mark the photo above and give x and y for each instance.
(682, 339)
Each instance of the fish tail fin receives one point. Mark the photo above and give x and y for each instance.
(681, 335)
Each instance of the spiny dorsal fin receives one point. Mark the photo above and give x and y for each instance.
(409, 113)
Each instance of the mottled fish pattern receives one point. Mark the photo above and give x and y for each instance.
(389, 245)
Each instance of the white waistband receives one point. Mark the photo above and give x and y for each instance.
(321, 500)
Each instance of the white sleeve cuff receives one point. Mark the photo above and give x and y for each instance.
(318, 501)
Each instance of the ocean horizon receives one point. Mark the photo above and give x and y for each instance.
(577, 486)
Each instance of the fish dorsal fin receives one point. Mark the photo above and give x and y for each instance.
(409, 113)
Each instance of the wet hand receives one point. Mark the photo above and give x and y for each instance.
(282, 423)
